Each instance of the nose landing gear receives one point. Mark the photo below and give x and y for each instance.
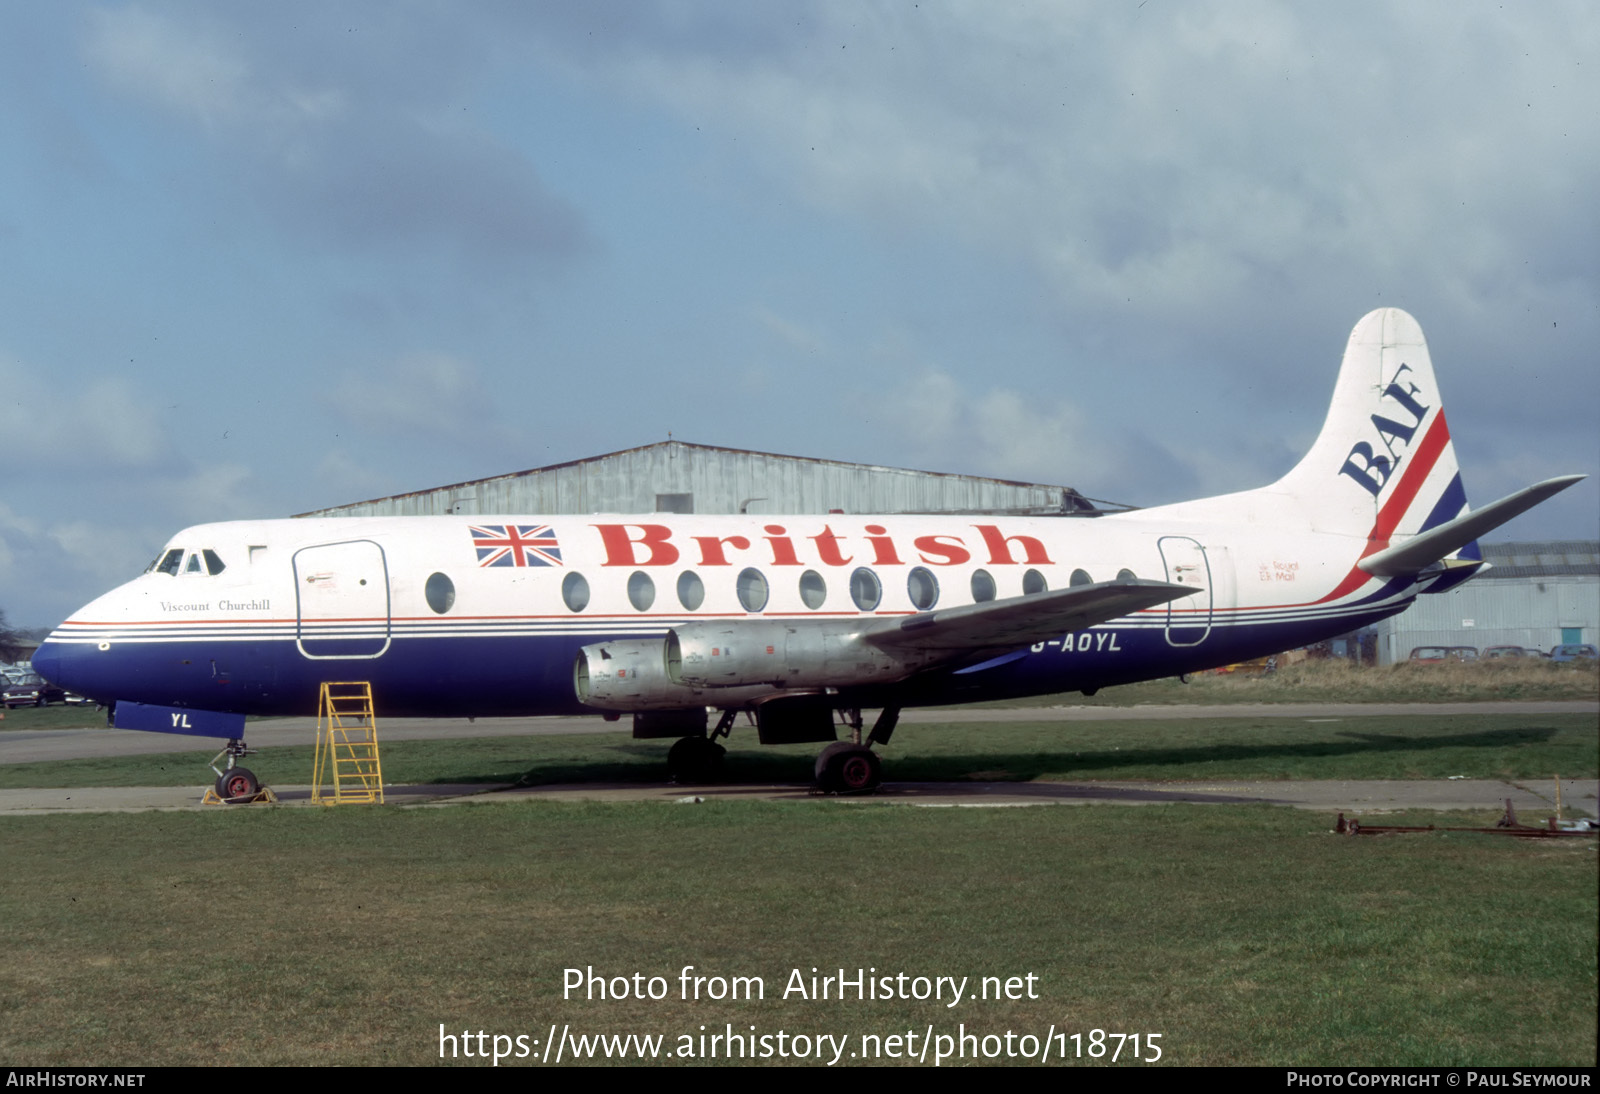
(236, 785)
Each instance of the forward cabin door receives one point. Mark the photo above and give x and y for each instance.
(342, 594)
(1189, 618)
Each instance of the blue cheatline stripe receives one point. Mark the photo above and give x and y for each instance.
(1449, 506)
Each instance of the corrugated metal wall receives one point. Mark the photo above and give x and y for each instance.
(1489, 611)
(720, 480)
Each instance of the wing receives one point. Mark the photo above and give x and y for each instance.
(1023, 620)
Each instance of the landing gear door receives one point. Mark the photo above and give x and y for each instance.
(1188, 619)
(342, 593)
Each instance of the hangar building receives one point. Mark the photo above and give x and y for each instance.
(1536, 595)
(676, 477)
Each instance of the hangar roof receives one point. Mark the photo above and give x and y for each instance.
(710, 479)
(1543, 558)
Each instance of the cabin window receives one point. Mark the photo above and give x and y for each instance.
(691, 590)
(440, 592)
(923, 588)
(575, 591)
(1080, 577)
(1033, 582)
(982, 586)
(813, 590)
(752, 589)
(641, 590)
(214, 565)
(865, 589)
(170, 561)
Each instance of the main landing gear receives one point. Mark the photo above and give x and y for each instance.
(844, 767)
(699, 759)
(851, 767)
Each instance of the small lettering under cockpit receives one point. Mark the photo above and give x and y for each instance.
(169, 606)
(262, 605)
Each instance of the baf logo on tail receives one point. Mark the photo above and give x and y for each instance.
(1363, 464)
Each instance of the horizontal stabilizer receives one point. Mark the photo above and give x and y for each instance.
(1422, 551)
(1023, 620)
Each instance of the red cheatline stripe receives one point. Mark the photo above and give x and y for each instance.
(1427, 454)
(1423, 459)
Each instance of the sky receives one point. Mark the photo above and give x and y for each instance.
(259, 259)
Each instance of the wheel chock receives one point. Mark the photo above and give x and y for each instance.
(264, 796)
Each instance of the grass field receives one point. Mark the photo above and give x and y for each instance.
(1262, 747)
(1307, 682)
(1337, 681)
(1240, 936)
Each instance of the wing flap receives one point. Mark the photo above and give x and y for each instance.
(1023, 620)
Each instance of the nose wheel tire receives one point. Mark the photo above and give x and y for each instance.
(845, 768)
(237, 784)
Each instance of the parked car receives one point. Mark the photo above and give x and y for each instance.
(1574, 651)
(1444, 653)
(29, 689)
(1493, 652)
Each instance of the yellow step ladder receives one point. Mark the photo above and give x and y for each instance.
(347, 746)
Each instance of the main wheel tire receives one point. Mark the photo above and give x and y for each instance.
(846, 768)
(695, 760)
(237, 784)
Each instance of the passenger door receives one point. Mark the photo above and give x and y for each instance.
(342, 599)
(1189, 618)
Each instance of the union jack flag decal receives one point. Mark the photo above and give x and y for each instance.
(516, 545)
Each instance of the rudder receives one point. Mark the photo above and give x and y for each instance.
(1383, 464)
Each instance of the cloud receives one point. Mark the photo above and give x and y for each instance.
(433, 414)
(1008, 433)
(795, 336)
(210, 491)
(1166, 162)
(341, 478)
(45, 566)
(14, 528)
(102, 423)
(428, 393)
(352, 147)
(186, 67)
(397, 180)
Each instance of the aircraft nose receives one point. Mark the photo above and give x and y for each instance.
(65, 664)
(47, 662)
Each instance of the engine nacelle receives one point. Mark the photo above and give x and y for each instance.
(631, 675)
(802, 653)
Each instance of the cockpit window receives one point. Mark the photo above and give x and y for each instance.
(214, 565)
(170, 561)
(194, 565)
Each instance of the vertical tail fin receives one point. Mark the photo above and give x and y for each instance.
(1383, 465)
